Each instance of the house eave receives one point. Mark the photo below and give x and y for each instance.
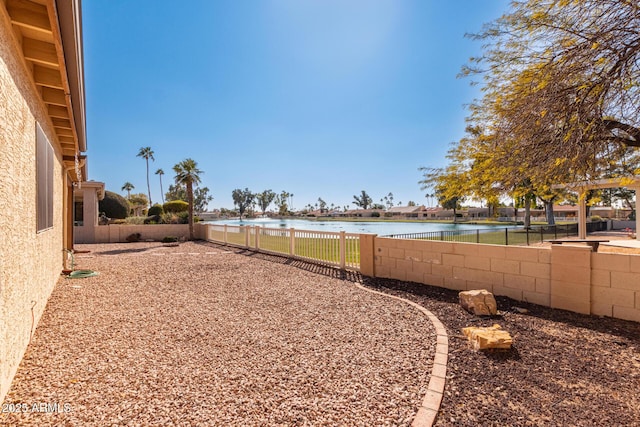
(48, 36)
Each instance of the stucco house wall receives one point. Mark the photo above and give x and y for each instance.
(41, 97)
(30, 261)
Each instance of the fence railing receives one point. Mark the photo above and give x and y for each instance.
(336, 249)
(504, 236)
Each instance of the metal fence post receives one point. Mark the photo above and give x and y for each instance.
(477, 235)
(541, 234)
(527, 229)
(506, 237)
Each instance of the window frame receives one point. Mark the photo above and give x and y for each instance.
(44, 181)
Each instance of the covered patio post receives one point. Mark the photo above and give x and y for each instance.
(582, 215)
(637, 190)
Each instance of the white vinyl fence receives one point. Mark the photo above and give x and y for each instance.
(336, 249)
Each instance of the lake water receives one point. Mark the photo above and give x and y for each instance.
(380, 228)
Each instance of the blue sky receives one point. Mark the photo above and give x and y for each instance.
(321, 98)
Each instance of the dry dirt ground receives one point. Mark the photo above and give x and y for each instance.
(297, 344)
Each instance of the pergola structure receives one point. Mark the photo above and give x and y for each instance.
(632, 183)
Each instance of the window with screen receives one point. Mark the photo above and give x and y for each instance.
(44, 181)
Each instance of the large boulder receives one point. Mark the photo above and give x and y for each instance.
(479, 302)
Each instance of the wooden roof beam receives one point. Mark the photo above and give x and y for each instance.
(54, 97)
(47, 77)
(58, 112)
(61, 123)
(64, 132)
(30, 15)
(67, 140)
(40, 52)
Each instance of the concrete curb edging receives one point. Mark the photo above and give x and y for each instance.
(428, 411)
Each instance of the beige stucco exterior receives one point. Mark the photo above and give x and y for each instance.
(90, 194)
(30, 260)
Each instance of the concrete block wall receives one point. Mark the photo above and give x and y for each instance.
(569, 277)
(615, 289)
(118, 233)
(521, 273)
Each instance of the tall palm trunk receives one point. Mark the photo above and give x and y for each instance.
(148, 185)
(190, 200)
(161, 191)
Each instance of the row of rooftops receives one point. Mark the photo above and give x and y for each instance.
(478, 212)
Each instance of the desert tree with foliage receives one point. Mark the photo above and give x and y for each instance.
(282, 201)
(265, 199)
(138, 202)
(559, 103)
(242, 199)
(561, 86)
(448, 185)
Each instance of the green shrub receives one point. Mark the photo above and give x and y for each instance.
(114, 205)
(184, 217)
(155, 210)
(170, 218)
(375, 214)
(152, 219)
(135, 220)
(135, 237)
(176, 206)
(595, 218)
(169, 239)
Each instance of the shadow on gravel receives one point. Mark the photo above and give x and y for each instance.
(629, 332)
(124, 251)
(351, 276)
(502, 356)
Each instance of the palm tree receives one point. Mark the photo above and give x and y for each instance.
(147, 153)
(128, 187)
(363, 201)
(161, 172)
(187, 173)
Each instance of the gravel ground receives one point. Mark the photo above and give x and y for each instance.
(199, 335)
(292, 345)
(565, 369)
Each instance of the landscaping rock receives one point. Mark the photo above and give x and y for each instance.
(492, 337)
(479, 302)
